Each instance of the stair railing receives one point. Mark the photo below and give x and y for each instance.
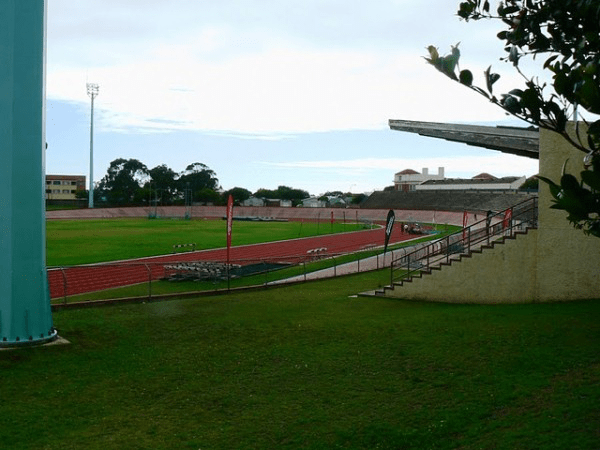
(494, 227)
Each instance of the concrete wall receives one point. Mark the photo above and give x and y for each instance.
(568, 261)
(313, 214)
(501, 275)
(555, 262)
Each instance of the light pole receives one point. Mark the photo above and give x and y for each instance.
(92, 91)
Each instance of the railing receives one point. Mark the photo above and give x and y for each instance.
(494, 227)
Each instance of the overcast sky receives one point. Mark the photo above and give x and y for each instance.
(267, 92)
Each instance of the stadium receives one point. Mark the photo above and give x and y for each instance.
(472, 322)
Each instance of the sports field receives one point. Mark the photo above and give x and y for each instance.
(309, 366)
(84, 241)
(72, 242)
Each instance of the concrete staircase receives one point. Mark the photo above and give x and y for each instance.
(467, 277)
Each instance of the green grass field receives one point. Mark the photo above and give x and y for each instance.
(307, 366)
(89, 241)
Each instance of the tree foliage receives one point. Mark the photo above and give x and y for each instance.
(198, 177)
(239, 195)
(122, 181)
(567, 34)
(283, 193)
(164, 183)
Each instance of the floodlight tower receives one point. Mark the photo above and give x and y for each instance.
(25, 313)
(92, 91)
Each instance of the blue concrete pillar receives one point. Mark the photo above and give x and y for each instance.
(25, 314)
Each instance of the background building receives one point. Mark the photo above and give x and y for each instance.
(481, 182)
(408, 180)
(64, 187)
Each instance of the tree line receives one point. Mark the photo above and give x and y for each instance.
(129, 182)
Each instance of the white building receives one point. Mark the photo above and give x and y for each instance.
(409, 179)
(313, 202)
(253, 201)
(481, 182)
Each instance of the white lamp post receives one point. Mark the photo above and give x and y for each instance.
(92, 91)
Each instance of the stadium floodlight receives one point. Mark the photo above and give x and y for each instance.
(92, 92)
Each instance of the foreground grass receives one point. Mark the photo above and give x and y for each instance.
(73, 242)
(308, 367)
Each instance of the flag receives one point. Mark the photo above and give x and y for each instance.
(507, 218)
(388, 228)
(465, 223)
(229, 223)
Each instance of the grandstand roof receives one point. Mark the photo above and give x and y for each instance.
(514, 140)
(484, 176)
(470, 181)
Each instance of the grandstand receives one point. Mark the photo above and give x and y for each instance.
(549, 261)
(444, 200)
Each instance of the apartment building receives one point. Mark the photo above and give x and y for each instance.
(64, 187)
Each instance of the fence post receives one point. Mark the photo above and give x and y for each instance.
(304, 269)
(469, 240)
(447, 249)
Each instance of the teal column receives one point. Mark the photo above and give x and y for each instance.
(25, 314)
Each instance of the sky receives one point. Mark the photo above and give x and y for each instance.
(268, 92)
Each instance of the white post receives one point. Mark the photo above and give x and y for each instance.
(92, 91)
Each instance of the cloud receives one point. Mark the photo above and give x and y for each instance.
(455, 167)
(286, 67)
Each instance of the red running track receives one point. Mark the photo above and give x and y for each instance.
(96, 277)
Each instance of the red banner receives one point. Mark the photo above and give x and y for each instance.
(229, 223)
(465, 222)
(507, 218)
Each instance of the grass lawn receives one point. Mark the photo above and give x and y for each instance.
(72, 242)
(307, 366)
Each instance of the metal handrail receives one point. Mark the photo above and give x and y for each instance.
(495, 226)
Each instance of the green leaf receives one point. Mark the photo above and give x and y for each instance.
(508, 10)
(511, 104)
(516, 93)
(490, 78)
(433, 53)
(549, 61)
(466, 77)
(514, 55)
